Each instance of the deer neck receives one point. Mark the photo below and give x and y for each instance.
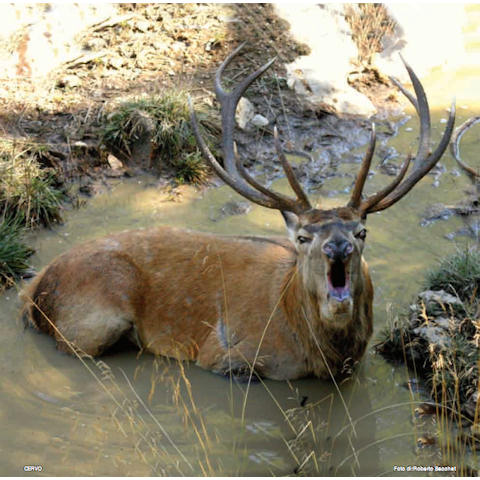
(326, 335)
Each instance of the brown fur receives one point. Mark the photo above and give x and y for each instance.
(225, 302)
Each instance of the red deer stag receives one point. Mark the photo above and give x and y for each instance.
(286, 309)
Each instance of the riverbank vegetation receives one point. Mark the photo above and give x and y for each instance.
(439, 339)
(157, 127)
(154, 132)
(14, 252)
(28, 192)
(440, 334)
(29, 196)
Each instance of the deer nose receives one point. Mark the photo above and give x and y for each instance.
(337, 249)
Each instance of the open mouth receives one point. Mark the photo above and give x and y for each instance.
(338, 281)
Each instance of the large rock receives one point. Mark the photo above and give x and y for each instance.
(434, 335)
(320, 78)
(439, 302)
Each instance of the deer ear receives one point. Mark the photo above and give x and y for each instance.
(291, 221)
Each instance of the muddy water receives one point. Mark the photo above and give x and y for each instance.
(136, 415)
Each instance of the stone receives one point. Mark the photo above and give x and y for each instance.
(437, 211)
(236, 208)
(114, 162)
(320, 78)
(439, 296)
(140, 152)
(433, 335)
(259, 121)
(116, 62)
(142, 25)
(178, 47)
(333, 95)
(245, 113)
(230, 208)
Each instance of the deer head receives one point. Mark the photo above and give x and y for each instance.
(329, 242)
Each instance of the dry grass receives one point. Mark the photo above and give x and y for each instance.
(450, 370)
(369, 23)
(158, 448)
(312, 445)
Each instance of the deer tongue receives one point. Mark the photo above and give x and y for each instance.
(338, 281)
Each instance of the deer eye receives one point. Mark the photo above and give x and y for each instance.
(361, 234)
(301, 239)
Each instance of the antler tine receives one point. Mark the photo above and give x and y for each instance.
(423, 111)
(419, 170)
(355, 199)
(455, 147)
(234, 174)
(291, 177)
(239, 187)
(425, 126)
(229, 101)
(374, 199)
(424, 159)
(286, 203)
(221, 93)
(410, 97)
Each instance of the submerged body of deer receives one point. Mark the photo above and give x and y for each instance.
(281, 308)
(214, 316)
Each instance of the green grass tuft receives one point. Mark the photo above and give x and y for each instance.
(190, 168)
(13, 252)
(457, 274)
(26, 190)
(172, 140)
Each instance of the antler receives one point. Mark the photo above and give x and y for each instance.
(455, 149)
(234, 173)
(424, 159)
